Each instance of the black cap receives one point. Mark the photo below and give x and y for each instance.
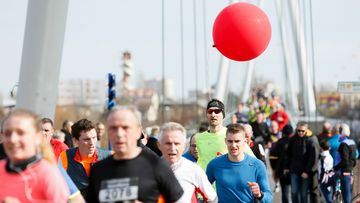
(216, 103)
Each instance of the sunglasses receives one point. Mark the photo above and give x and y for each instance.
(216, 111)
(300, 131)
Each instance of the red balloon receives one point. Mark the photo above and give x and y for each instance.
(241, 31)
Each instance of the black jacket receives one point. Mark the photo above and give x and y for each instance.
(261, 132)
(300, 155)
(68, 138)
(152, 144)
(281, 149)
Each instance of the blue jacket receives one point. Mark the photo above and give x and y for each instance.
(76, 170)
(346, 155)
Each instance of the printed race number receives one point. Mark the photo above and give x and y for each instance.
(119, 190)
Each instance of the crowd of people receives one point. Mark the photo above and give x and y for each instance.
(217, 164)
(305, 166)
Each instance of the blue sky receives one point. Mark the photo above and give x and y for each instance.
(97, 32)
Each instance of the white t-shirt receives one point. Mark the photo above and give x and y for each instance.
(192, 178)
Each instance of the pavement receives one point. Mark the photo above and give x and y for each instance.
(276, 195)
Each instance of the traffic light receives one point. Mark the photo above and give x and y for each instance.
(111, 91)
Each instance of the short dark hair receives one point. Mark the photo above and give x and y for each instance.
(235, 128)
(47, 120)
(80, 126)
(324, 144)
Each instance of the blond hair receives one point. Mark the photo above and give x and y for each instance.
(43, 147)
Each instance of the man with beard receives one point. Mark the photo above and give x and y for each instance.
(210, 143)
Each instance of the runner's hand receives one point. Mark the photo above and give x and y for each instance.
(255, 189)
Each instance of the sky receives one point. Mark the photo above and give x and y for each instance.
(97, 32)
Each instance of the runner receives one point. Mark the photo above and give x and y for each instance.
(211, 143)
(239, 177)
(131, 173)
(28, 176)
(191, 177)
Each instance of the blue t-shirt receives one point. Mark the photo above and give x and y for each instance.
(189, 157)
(232, 178)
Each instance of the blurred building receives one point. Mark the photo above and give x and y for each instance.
(353, 99)
(157, 84)
(86, 92)
(328, 99)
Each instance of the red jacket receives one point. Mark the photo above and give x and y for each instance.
(58, 147)
(280, 114)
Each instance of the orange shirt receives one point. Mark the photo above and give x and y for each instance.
(86, 161)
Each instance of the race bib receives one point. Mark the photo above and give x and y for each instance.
(121, 189)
